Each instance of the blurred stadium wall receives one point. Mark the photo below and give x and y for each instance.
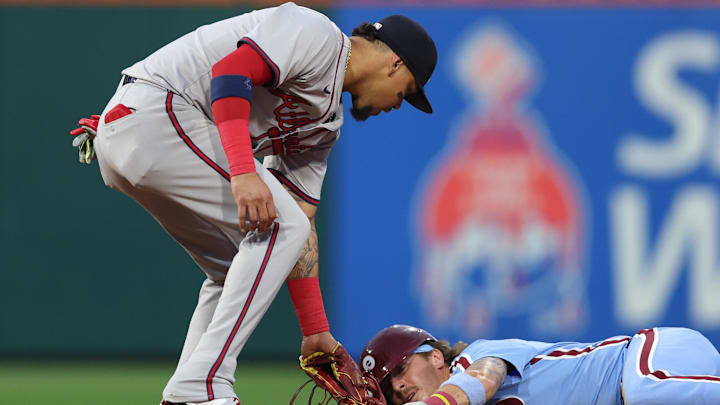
(566, 186)
(86, 272)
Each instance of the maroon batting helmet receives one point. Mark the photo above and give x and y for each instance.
(390, 347)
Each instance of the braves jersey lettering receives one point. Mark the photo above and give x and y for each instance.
(288, 117)
(299, 113)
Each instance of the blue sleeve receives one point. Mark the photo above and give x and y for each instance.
(514, 351)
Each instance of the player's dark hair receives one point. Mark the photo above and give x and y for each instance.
(366, 30)
(369, 32)
(448, 352)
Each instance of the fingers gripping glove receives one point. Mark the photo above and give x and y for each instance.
(339, 375)
(84, 136)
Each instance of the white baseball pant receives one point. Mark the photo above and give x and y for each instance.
(167, 156)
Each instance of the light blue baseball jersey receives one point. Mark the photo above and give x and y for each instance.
(553, 373)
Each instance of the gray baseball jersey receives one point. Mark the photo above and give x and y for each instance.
(158, 144)
(300, 111)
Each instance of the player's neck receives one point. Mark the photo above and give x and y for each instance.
(357, 67)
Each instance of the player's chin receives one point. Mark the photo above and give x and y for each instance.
(362, 113)
(419, 395)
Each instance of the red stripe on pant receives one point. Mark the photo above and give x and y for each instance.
(181, 133)
(646, 370)
(249, 299)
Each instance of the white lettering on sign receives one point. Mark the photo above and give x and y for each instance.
(648, 259)
(690, 114)
(646, 272)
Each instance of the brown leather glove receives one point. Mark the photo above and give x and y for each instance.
(339, 375)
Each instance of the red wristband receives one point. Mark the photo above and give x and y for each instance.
(307, 300)
(441, 398)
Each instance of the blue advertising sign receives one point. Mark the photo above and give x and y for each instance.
(565, 188)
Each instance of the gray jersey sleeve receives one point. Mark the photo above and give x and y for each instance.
(303, 173)
(294, 41)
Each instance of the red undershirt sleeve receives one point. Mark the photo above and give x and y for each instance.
(231, 94)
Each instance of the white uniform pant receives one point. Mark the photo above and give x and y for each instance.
(671, 366)
(167, 156)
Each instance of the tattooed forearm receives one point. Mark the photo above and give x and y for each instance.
(307, 265)
(491, 371)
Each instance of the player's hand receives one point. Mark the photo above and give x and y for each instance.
(84, 137)
(319, 342)
(254, 201)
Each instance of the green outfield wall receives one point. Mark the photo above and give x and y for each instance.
(85, 271)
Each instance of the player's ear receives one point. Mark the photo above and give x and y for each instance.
(437, 359)
(395, 63)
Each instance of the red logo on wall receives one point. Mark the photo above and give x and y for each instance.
(500, 221)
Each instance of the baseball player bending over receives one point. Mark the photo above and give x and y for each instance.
(659, 366)
(182, 136)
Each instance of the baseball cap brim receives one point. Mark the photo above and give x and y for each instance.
(419, 100)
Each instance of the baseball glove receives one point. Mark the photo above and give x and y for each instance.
(84, 136)
(341, 379)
